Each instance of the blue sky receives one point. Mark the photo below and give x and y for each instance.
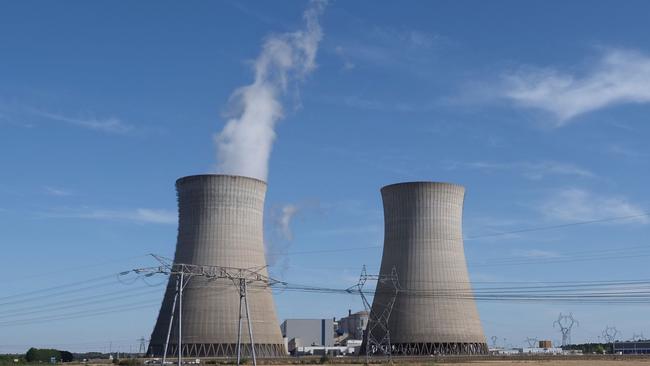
(538, 108)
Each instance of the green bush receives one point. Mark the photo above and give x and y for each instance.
(42, 355)
(324, 359)
(6, 360)
(130, 362)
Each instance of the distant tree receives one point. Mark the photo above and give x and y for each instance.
(31, 355)
(8, 359)
(42, 355)
(66, 356)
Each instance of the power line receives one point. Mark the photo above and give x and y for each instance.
(69, 305)
(81, 314)
(74, 300)
(561, 226)
(470, 237)
(60, 293)
(68, 269)
(40, 291)
(499, 261)
(583, 292)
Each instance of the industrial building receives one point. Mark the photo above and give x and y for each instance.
(308, 332)
(545, 343)
(434, 311)
(220, 224)
(632, 347)
(353, 325)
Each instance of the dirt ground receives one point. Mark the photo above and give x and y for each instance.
(550, 361)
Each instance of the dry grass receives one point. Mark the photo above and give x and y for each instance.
(622, 362)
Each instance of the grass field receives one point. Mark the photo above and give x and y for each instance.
(455, 361)
(621, 362)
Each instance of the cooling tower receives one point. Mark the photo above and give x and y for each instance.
(219, 224)
(434, 311)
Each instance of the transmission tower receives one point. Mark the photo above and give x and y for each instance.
(494, 341)
(241, 277)
(143, 346)
(637, 337)
(565, 323)
(610, 333)
(377, 321)
(532, 342)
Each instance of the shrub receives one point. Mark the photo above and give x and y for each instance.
(130, 362)
(324, 359)
(42, 355)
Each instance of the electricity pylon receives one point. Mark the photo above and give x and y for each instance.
(532, 342)
(494, 341)
(143, 346)
(240, 277)
(380, 317)
(566, 322)
(610, 333)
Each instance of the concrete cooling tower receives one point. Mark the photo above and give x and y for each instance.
(434, 311)
(220, 224)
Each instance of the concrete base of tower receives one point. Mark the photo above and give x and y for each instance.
(218, 350)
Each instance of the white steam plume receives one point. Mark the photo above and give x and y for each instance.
(288, 211)
(278, 240)
(245, 143)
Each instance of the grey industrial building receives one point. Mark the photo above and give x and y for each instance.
(434, 312)
(220, 224)
(632, 347)
(308, 332)
(353, 325)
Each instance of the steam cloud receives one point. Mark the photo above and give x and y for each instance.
(278, 240)
(288, 211)
(244, 145)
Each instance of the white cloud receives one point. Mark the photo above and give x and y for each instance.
(108, 125)
(279, 238)
(287, 213)
(408, 50)
(347, 64)
(361, 102)
(536, 253)
(26, 116)
(620, 76)
(155, 216)
(57, 191)
(577, 205)
(351, 230)
(624, 151)
(138, 215)
(530, 170)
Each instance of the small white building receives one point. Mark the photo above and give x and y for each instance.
(322, 350)
(547, 351)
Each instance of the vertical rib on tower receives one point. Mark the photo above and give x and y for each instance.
(219, 224)
(434, 312)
